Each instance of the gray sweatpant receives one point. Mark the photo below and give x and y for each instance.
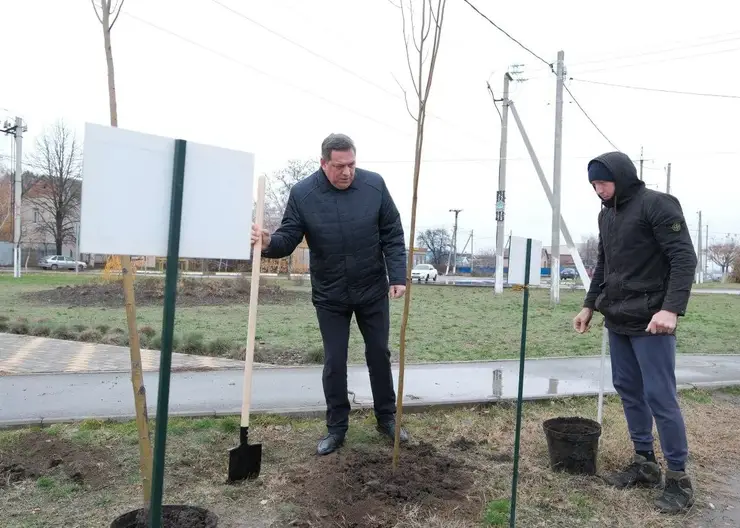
(643, 374)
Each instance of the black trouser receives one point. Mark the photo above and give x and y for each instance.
(373, 319)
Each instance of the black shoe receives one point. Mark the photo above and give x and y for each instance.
(330, 443)
(640, 472)
(388, 429)
(678, 495)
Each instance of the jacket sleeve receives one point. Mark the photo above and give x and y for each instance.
(290, 233)
(670, 231)
(391, 240)
(597, 279)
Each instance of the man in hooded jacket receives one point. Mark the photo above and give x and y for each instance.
(641, 285)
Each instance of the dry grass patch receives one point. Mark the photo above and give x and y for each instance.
(455, 474)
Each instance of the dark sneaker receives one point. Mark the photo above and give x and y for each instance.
(329, 444)
(388, 429)
(678, 494)
(639, 473)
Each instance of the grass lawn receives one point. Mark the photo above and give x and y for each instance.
(445, 323)
(455, 473)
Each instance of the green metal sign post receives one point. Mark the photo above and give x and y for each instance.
(168, 327)
(520, 395)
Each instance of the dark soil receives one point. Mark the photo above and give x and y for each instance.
(38, 455)
(563, 427)
(356, 488)
(150, 291)
(172, 517)
(462, 444)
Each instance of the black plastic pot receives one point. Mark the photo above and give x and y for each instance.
(173, 516)
(573, 444)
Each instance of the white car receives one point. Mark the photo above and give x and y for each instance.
(425, 272)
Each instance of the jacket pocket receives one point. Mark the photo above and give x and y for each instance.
(641, 299)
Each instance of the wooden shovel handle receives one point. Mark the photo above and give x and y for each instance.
(253, 295)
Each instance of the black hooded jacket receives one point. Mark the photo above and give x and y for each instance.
(646, 259)
(354, 236)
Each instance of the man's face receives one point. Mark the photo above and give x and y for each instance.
(340, 169)
(605, 189)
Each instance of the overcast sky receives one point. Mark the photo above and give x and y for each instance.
(192, 69)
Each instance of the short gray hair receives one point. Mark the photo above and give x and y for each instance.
(340, 142)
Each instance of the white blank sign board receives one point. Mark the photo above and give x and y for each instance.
(126, 196)
(518, 261)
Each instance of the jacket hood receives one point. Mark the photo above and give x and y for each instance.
(624, 172)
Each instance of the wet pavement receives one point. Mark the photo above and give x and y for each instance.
(33, 399)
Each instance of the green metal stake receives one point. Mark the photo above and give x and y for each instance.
(168, 327)
(525, 310)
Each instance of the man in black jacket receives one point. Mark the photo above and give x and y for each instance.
(357, 259)
(641, 284)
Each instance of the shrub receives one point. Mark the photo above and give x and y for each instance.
(90, 336)
(219, 347)
(20, 326)
(193, 343)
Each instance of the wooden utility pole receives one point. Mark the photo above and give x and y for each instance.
(558, 157)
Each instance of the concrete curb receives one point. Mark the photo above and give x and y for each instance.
(319, 411)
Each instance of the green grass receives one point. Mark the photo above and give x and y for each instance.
(445, 323)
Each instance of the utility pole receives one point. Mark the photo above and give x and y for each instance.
(453, 252)
(501, 193)
(699, 272)
(558, 155)
(706, 252)
(668, 179)
(642, 161)
(17, 132)
(472, 257)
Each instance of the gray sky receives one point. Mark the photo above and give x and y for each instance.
(254, 91)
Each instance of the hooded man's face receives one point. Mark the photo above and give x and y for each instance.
(605, 189)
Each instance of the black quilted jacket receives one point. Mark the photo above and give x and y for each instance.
(354, 236)
(646, 259)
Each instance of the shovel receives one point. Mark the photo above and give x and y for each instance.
(245, 460)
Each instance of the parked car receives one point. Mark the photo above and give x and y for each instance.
(568, 273)
(424, 271)
(55, 262)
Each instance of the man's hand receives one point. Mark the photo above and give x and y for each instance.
(256, 235)
(397, 291)
(582, 321)
(663, 322)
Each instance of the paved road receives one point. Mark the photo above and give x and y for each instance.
(36, 399)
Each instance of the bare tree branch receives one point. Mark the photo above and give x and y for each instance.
(405, 98)
(95, 8)
(117, 10)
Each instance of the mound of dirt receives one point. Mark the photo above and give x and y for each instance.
(356, 488)
(38, 454)
(150, 291)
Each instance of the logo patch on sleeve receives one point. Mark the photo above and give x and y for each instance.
(676, 227)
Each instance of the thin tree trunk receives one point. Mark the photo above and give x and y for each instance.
(127, 269)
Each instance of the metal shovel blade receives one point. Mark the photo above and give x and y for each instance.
(245, 460)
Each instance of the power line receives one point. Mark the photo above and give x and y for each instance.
(326, 59)
(679, 92)
(525, 48)
(262, 72)
(550, 67)
(589, 117)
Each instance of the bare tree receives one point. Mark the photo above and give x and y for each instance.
(589, 250)
(107, 16)
(279, 184)
(55, 190)
(437, 242)
(423, 30)
(724, 254)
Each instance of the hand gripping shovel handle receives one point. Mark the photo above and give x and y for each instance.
(252, 319)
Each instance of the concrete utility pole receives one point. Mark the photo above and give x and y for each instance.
(642, 161)
(501, 193)
(472, 257)
(706, 252)
(668, 179)
(558, 157)
(17, 131)
(454, 241)
(699, 271)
